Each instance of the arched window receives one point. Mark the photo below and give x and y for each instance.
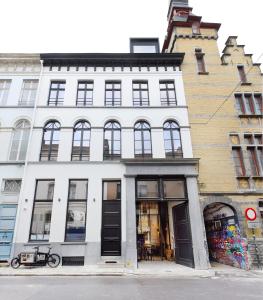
(50, 141)
(172, 139)
(142, 139)
(81, 141)
(112, 141)
(20, 140)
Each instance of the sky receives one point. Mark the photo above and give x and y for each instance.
(106, 25)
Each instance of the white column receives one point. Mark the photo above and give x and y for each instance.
(186, 143)
(127, 143)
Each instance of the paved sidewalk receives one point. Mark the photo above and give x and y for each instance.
(158, 269)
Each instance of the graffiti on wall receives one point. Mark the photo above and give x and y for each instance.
(227, 246)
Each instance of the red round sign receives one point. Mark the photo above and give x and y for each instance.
(251, 214)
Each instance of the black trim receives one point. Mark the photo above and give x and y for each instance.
(112, 59)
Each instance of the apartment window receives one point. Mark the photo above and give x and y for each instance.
(172, 139)
(254, 165)
(12, 186)
(248, 138)
(258, 104)
(196, 28)
(260, 155)
(200, 61)
(76, 211)
(56, 93)
(142, 140)
(238, 161)
(50, 141)
(242, 74)
(4, 90)
(20, 140)
(167, 91)
(258, 139)
(250, 110)
(111, 190)
(42, 210)
(29, 92)
(112, 141)
(85, 93)
(113, 93)
(140, 93)
(81, 141)
(249, 104)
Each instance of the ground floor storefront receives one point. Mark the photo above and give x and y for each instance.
(114, 213)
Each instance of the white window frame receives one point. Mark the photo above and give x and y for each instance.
(4, 92)
(28, 101)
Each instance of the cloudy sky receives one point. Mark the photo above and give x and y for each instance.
(107, 25)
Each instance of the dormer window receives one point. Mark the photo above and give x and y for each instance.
(144, 45)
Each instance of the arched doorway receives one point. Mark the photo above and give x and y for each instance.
(225, 243)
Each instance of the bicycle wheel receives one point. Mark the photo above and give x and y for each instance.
(15, 263)
(53, 260)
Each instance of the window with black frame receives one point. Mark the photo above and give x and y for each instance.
(76, 211)
(172, 140)
(50, 141)
(42, 210)
(56, 93)
(140, 93)
(142, 140)
(148, 189)
(113, 93)
(85, 93)
(81, 141)
(112, 141)
(167, 91)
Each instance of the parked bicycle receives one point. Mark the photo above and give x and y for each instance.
(36, 258)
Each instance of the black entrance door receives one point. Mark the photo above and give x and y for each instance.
(111, 228)
(182, 234)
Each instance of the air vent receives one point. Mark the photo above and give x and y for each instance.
(73, 261)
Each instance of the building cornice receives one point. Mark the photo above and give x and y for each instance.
(112, 59)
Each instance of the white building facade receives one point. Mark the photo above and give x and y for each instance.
(109, 174)
(19, 76)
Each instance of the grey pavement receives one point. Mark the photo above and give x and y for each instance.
(129, 288)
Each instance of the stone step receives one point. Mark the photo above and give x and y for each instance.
(110, 262)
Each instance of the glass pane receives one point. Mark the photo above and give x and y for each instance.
(41, 220)
(147, 189)
(76, 221)
(111, 190)
(78, 189)
(174, 189)
(45, 190)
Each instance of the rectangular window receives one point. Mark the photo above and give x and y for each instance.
(28, 92)
(258, 139)
(250, 110)
(248, 139)
(4, 90)
(113, 93)
(76, 212)
(147, 189)
(42, 211)
(140, 93)
(111, 190)
(258, 104)
(200, 61)
(238, 161)
(56, 93)
(167, 91)
(252, 157)
(12, 186)
(174, 189)
(196, 27)
(242, 74)
(240, 104)
(260, 156)
(85, 93)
